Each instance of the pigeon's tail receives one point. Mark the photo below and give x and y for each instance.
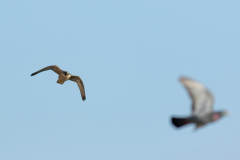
(179, 122)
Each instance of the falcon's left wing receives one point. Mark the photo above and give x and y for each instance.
(79, 82)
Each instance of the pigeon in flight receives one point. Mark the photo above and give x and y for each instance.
(202, 104)
(64, 76)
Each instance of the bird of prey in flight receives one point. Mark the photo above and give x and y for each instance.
(202, 105)
(64, 76)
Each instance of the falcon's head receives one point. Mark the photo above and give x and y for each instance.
(60, 82)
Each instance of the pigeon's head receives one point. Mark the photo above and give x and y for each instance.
(60, 81)
(223, 113)
(220, 114)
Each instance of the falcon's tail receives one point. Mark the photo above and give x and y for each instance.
(179, 122)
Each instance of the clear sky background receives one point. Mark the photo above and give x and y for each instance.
(130, 55)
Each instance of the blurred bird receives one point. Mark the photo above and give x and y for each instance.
(64, 76)
(202, 104)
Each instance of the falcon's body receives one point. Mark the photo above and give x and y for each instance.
(64, 76)
(202, 104)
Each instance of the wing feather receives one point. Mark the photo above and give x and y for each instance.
(55, 68)
(202, 98)
(79, 82)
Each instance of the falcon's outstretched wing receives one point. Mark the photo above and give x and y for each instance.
(55, 68)
(202, 98)
(80, 85)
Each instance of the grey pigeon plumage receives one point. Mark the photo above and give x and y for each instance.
(202, 105)
(64, 76)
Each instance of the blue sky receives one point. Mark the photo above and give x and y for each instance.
(129, 55)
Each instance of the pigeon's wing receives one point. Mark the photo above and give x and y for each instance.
(55, 68)
(202, 98)
(80, 85)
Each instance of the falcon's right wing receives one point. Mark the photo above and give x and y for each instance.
(55, 68)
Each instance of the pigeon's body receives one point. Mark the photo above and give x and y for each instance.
(202, 105)
(202, 119)
(63, 76)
